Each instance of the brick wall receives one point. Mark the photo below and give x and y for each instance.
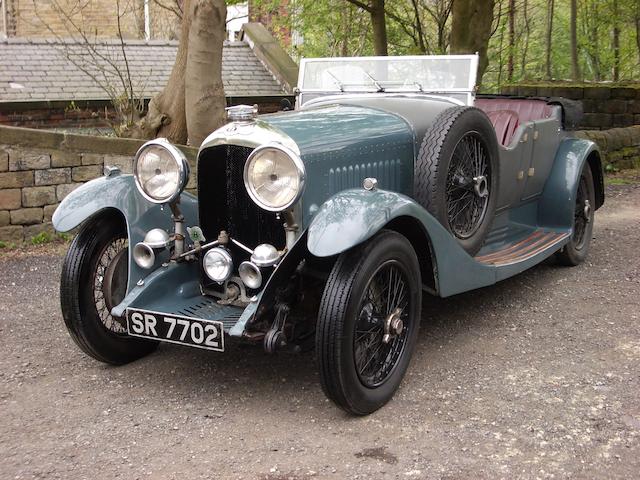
(604, 106)
(38, 169)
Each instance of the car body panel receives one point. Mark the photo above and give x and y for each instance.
(119, 192)
(556, 206)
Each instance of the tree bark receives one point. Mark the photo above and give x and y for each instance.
(616, 42)
(471, 29)
(527, 34)
(378, 23)
(204, 94)
(575, 66)
(192, 103)
(512, 39)
(550, 8)
(166, 116)
(637, 22)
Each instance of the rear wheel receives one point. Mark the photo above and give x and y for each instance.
(94, 280)
(575, 252)
(368, 323)
(456, 174)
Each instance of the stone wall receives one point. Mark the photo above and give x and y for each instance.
(39, 168)
(604, 106)
(620, 147)
(26, 18)
(87, 114)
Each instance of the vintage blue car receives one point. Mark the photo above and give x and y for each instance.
(324, 225)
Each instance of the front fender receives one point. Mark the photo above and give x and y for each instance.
(120, 193)
(351, 217)
(557, 204)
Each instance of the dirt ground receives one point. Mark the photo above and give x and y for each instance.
(537, 377)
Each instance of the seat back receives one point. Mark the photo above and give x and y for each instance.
(505, 123)
(502, 110)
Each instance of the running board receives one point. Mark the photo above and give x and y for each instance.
(524, 249)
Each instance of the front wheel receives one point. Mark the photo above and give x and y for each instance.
(94, 280)
(368, 323)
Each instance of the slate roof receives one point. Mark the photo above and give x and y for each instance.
(39, 70)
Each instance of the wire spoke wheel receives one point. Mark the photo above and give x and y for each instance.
(93, 280)
(110, 283)
(368, 322)
(581, 215)
(468, 186)
(377, 345)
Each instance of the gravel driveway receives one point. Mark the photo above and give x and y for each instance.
(537, 377)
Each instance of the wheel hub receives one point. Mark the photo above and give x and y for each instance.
(481, 187)
(393, 326)
(586, 211)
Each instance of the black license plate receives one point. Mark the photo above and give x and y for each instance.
(193, 332)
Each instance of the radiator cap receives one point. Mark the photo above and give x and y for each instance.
(242, 113)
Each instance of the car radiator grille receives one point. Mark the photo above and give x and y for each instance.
(224, 203)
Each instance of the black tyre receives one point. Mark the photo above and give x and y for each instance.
(575, 252)
(368, 323)
(94, 279)
(456, 174)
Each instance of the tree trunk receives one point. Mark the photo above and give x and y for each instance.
(471, 29)
(379, 24)
(512, 39)
(637, 20)
(616, 42)
(575, 67)
(204, 94)
(527, 34)
(191, 105)
(166, 116)
(550, 8)
(594, 40)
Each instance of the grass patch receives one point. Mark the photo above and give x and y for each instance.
(64, 236)
(617, 177)
(618, 181)
(41, 238)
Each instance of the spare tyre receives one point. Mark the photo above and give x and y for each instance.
(456, 174)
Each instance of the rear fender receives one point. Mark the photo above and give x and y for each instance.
(351, 217)
(120, 193)
(557, 204)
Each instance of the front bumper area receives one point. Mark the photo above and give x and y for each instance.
(174, 289)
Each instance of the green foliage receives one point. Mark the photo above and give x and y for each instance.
(41, 238)
(325, 28)
(64, 236)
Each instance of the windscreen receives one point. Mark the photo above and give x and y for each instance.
(434, 74)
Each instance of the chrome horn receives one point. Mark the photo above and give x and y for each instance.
(144, 253)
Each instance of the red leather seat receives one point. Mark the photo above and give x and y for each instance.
(505, 123)
(501, 111)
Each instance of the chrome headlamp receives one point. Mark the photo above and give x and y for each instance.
(161, 171)
(274, 177)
